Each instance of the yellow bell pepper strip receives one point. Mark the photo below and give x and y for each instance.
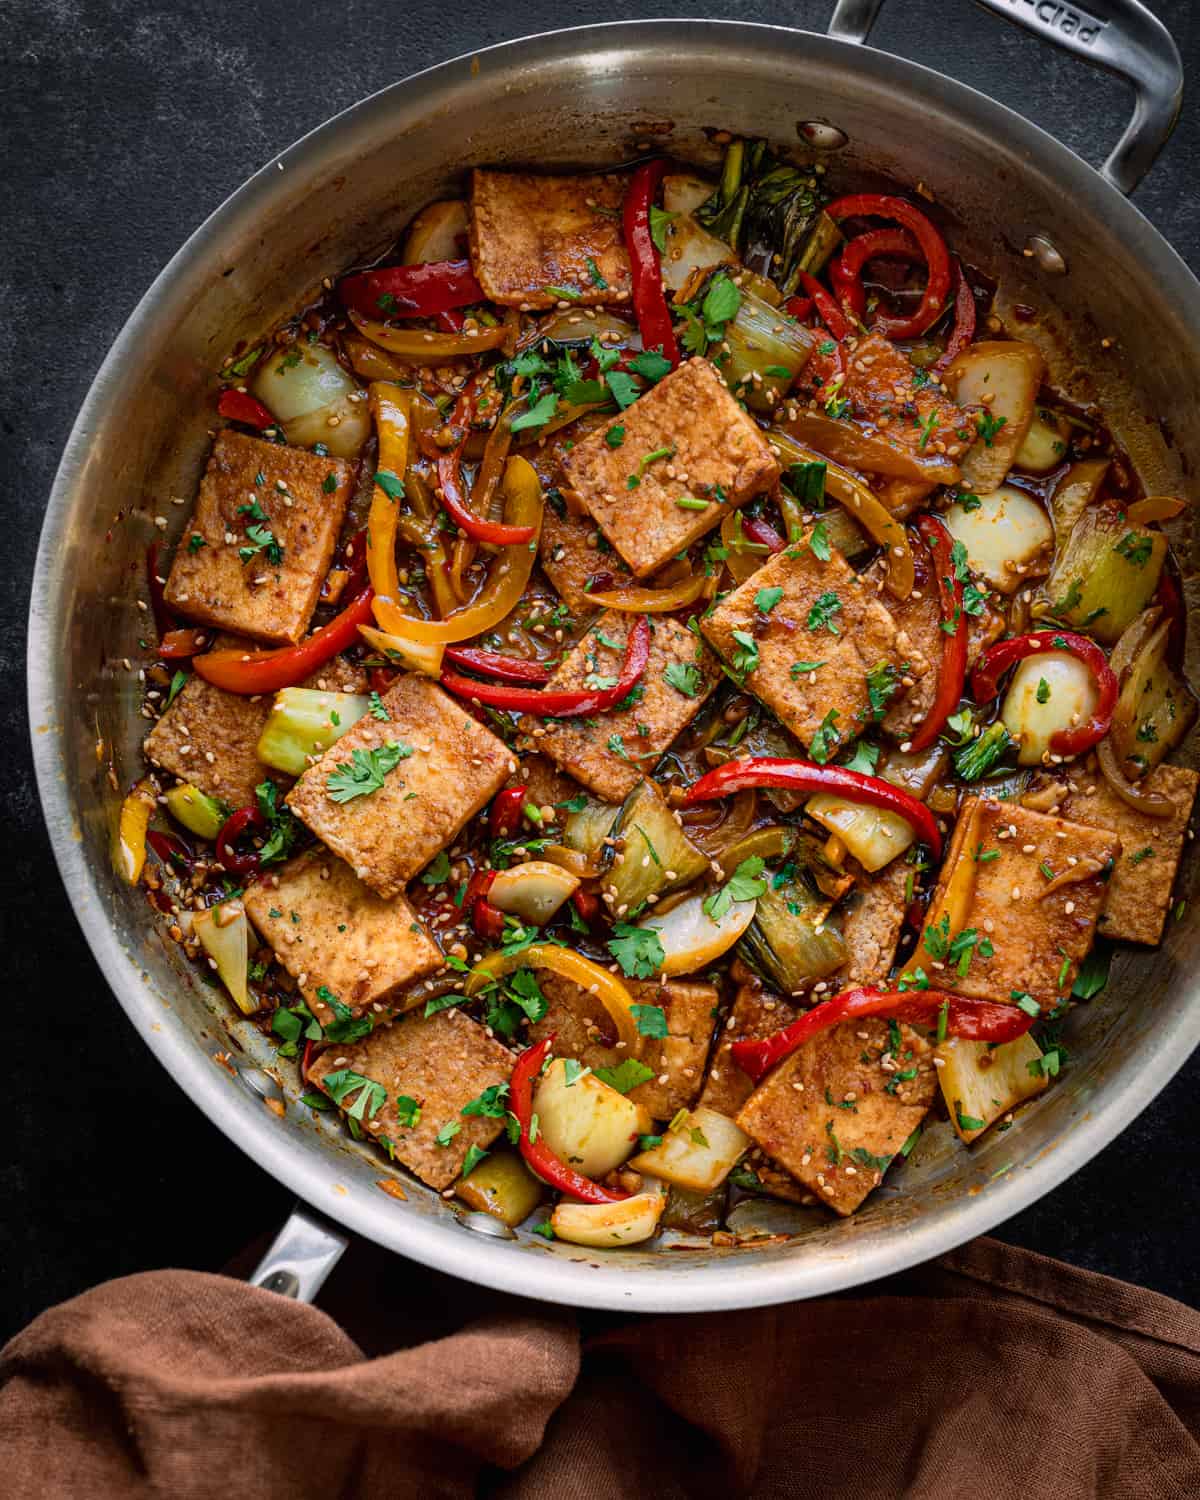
(639, 601)
(523, 502)
(419, 346)
(390, 408)
(417, 656)
(606, 987)
(129, 847)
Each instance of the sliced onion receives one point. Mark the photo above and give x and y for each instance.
(421, 346)
(713, 838)
(1150, 803)
(639, 601)
(865, 508)
(601, 1226)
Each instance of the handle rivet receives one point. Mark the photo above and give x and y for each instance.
(821, 134)
(1046, 253)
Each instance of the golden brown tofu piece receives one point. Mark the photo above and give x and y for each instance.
(532, 238)
(837, 1111)
(826, 616)
(570, 558)
(545, 783)
(337, 937)
(999, 881)
(872, 919)
(268, 517)
(893, 404)
(756, 1013)
(611, 752)
(450, 767)
(1139, 891)
(437, 1066)
(207, 736)
(686, 441)
(584, 1030)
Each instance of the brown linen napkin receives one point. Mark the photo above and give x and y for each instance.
(990, 1373)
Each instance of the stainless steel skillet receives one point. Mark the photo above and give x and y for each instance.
(582, 97)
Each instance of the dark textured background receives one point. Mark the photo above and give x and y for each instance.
(123, 126)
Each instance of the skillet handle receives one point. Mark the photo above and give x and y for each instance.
(301, 1256)
(1121, 36)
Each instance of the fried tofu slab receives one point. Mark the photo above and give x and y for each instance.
(426, 771)
(583, 1030)
(536, 241)
(805, 633)
(1016, 905)
(687, 455)
(428, 1070)
(207, 736)
(1139, 891)
(337, 938)
(836, 1113)
(261, 538)
(610, 753)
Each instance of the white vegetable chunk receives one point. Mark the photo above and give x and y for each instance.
(533, 891)
(309, 392)
(872, 834)
(683, 193)
(224, 934)
(436, 233)
(691, 249)
(981, 1083)
(1005, 532)
(1044, 444)
(697, 1152)
(601, 1226)
(585, 1123)
(1048, 692)
(690, 938)
(1003, 378)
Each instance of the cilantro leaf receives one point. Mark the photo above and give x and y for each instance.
(685, 677)
(745, 884)
(536, 415)
(371, 1098)
(822, 611)
(651, 1020)
(638, 950)
(627, 1074)
(363, 773)
(766, 600)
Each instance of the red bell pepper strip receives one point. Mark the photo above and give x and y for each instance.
(487, 921)
(831, 314)
(506, 668)
(306, 1060)
(798, 308)
(252, 672)
(561, 704)
(165, 619)
(239, 406)
(245, 820)
(537, 1154)
(1170, 600)
(977, 1020)
(933, 248)
(450, 322)
(504, 817)
(412, 291)
(992, 665)
(649, 301)
(763, 533)
(846, 270)
(807, 776)
(964, 320)
(452, 495)
(177, 645)
(171, 850)
(587, 904)
(952, 673)
(379, 679)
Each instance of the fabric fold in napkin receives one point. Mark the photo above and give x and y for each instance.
(993, 1372)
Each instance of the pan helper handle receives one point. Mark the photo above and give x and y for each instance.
(1121, 36)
